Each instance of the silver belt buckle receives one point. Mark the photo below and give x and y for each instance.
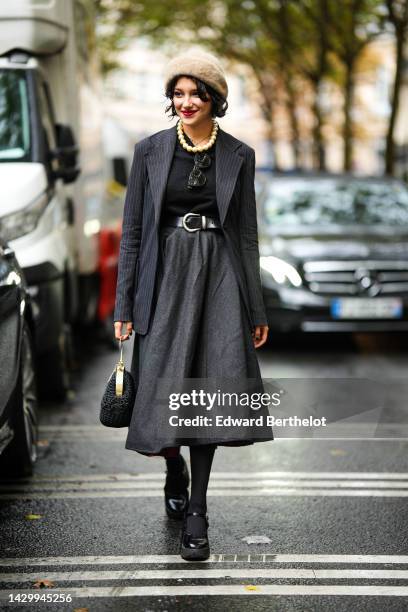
(190, 229)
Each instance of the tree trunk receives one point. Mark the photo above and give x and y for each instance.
(267, 108)
(319, 153)
(390, 143)
(348, 127)
(291, 105)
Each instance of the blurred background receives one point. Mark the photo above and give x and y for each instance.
(318, 88)
(314, 83)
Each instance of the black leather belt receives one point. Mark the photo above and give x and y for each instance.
(192, 222)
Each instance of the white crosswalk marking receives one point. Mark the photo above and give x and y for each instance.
(381, 432)
(228, 475)
(212, 573)
(214, 558)
(222, 590)
(246, 484)
(310, 571)
(267, 574)
(249, 484)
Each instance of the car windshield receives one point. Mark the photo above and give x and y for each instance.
(14, 116)
(327, 202)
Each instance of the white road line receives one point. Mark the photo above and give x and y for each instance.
(307, 434)
(368, 430)
(262, 492)
(277, 440)
(253, 483)
(214, 558)
(220, 590)
(88, 439)
(231, 475)
(100, 428)
(290, 574)
(70, 440)
(386, 432)
(247, 485)
(394, 436)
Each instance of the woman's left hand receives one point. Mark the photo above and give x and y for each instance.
(260, 334)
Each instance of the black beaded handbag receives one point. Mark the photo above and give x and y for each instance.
(119, 396)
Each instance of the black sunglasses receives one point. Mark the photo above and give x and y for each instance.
(196, 177)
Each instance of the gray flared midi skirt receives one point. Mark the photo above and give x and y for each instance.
(198, 346)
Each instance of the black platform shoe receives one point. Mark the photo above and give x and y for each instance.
(194, 548)
(176, 496)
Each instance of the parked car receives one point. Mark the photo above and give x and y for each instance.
(55, 212)
(333, 252)
(18, 389)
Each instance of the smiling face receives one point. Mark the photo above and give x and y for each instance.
(189, 106)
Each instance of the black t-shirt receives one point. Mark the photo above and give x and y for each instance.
(179, 200)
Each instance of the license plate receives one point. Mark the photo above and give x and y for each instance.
(366, 308)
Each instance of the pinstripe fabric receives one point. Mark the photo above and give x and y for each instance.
(235, 166)
(249, 240)
(131, 236)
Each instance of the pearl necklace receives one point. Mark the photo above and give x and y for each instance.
(195, 149)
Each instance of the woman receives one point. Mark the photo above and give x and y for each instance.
(189, 283)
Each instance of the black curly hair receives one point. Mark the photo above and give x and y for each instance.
(219, 103)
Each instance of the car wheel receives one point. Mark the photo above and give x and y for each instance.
(55, 367)
(20, 455)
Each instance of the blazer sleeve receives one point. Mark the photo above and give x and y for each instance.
(130, 240)
(249, 240)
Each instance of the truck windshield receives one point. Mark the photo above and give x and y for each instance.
(14, 116)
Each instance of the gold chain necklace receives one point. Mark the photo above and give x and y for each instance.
(196, 149)
(197, 143)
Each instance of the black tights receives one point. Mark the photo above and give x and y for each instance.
(201, 458)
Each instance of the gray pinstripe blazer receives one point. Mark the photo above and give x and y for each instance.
(139, 247)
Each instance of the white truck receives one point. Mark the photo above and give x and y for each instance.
(55, 210)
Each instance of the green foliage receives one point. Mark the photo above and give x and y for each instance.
(284, 42)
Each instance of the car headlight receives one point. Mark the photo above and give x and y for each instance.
(23, 221)
(281, 270)
(12, 278)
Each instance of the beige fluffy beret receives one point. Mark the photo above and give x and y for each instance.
(200, 64)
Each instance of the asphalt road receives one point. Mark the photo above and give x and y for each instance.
(313, 520)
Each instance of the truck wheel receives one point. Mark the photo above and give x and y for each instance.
(55, 367)
(21, 454)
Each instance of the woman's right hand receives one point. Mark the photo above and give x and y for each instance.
(118, 329)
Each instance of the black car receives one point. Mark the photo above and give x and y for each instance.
(18, 392)
(333, 252)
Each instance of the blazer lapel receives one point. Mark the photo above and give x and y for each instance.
(227, 166)
(158, 160)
